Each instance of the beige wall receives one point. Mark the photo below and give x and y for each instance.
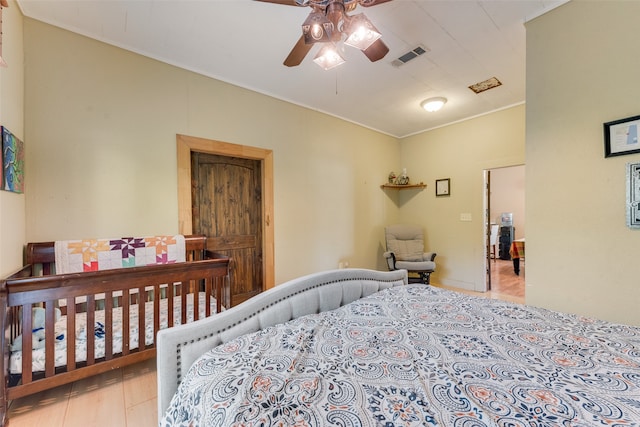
(582, 71)
(101, 161)
(461, 152)
(12, 206)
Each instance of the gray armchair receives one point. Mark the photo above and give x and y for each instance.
(405, 251)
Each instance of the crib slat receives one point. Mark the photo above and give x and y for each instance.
(156, 311)
(90, 329)
(16, 325)
(220, 283)
(125, 322)
(27, 327)
(207, 298)
(108, 325)
(71, 334)
(183, 302)
(196, 300)
(141, 318)
(170, 294)
(49, 342)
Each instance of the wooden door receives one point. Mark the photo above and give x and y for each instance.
(227, 208)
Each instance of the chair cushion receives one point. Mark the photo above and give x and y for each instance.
(406, 250)
(405, 241)
(416, 265)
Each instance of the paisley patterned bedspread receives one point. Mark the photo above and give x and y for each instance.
(419, 356)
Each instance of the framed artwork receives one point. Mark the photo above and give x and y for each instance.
(621, 137)
(443, 187)
(12, 162)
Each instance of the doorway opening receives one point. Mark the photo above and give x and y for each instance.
(504, 202)
(186, 145)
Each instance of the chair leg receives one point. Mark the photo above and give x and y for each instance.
(425, 277)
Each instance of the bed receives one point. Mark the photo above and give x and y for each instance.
(95, 321)
(361, 348)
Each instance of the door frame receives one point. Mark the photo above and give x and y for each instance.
(487, 229)
(188, 144)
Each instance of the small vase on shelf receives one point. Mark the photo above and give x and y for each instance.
(403, 179)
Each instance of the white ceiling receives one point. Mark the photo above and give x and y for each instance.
(244, 42)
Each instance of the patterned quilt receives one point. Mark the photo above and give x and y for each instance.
(419, 356)
(75, 256)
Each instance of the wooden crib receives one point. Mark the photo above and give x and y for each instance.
(143, 299)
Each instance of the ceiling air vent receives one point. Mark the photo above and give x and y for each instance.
(412, 54)
(485, 85)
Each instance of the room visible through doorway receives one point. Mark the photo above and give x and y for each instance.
(504, 208)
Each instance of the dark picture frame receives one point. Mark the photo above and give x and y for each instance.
(621, 137)
(443, 187)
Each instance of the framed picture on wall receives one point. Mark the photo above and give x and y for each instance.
(12, 162)
(443, 187)
(621, 137)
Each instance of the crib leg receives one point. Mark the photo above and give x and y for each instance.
(4, 404)
(5, 355)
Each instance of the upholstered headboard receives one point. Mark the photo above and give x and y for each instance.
(180, 346)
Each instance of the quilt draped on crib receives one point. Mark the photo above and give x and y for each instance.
(75, 256)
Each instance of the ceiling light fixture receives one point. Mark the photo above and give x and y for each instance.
(328, 57)
(317, 28)
(361, 32)
(433, 104)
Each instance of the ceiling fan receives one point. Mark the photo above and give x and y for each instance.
(329, 23)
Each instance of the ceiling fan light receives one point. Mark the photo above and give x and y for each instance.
(433, 104)
(361, 32)
(317, 28)
(328, 57)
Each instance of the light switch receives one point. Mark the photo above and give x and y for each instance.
(465, 217)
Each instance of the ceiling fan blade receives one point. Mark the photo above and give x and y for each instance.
(284, 2)
(298, 53)
(368, 3)
(376, 51)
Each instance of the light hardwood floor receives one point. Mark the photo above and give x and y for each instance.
(505, 283)
(127, 396)
(122, 397)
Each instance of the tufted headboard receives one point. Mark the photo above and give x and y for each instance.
(180, 346)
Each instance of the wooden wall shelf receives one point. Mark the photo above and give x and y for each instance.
(403, 187)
